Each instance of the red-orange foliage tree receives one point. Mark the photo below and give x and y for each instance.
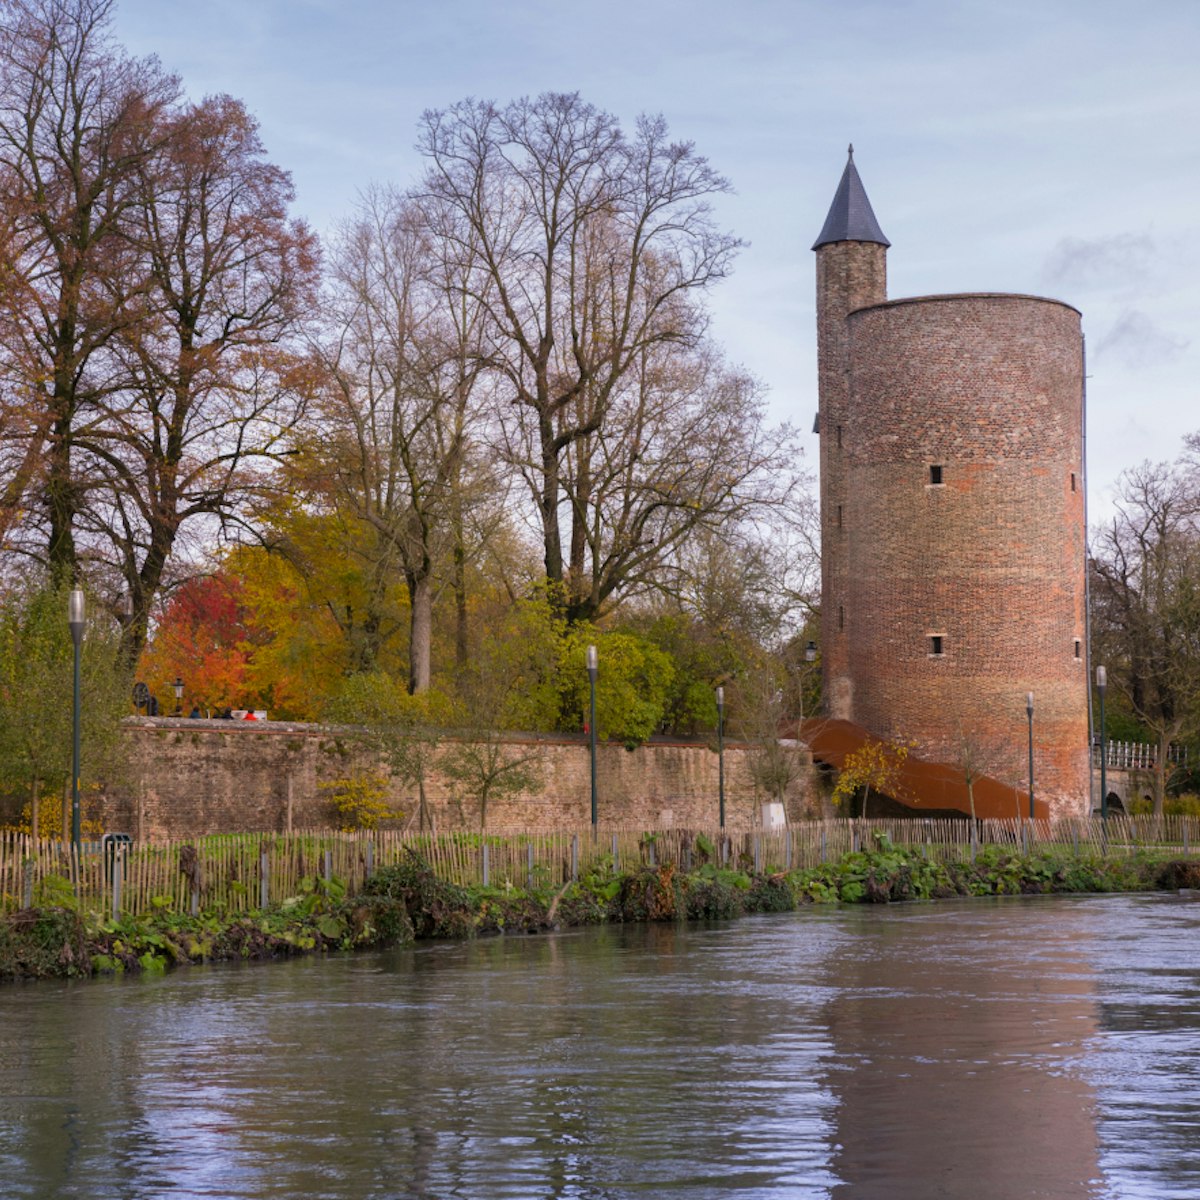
(203, 637)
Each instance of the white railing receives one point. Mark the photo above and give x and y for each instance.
(1136, 756)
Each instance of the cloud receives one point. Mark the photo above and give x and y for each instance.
(1137, 342)
(1120, 260)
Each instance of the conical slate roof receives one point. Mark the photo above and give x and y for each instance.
(850, 217)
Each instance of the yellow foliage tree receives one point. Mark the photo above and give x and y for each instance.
(875, 764)
(360, 801)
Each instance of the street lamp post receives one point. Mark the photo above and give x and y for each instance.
(592, 665)
(178, 686)
(75, 619)
(721, 752)
(810, 657)
(1029, 714)
(1102, 687)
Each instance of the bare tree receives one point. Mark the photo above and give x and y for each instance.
(397, 408)
(1146, 602)
(684, 451)
(584, 248)
(982, 756)
(489, 765)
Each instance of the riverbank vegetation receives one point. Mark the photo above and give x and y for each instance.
(409, 902)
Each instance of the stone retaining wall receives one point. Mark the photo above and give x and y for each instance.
(197, 777)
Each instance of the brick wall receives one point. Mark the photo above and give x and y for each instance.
(849, 276)
(195, 777)
(988, 389)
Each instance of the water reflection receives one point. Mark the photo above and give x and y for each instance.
(1143, 1058)
(1019, 1048)
(949, 1038)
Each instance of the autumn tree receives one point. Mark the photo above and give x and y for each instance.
(1146, 603)
(395, 433)
(78, 121)
(299, 651)
(213, 386)
(202, 636)
(874, 766)
(156, 280)
(588, 250)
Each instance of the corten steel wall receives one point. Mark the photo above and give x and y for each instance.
(188, 778)
(991, 560)
(849, 276)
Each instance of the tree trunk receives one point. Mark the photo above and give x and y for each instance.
(1160, 774)
(61, 504)
(424, 821)
(420, 592)
(33, 807)
(461, 624)
(548, 504)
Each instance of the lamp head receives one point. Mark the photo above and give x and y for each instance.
(720, 698)
(592, 658)
(76, 612)
(810, 652)
(178, 686)
(1029, 702)
(1101, 678)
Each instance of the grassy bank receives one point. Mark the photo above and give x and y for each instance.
(405, 903)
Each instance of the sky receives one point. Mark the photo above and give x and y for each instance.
(1046, 147)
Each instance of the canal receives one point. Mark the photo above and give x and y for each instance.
(985, 1049)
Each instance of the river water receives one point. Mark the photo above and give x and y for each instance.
(1007, 1049)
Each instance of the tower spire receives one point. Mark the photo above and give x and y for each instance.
(850, 218)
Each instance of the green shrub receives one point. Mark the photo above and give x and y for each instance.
(435, 907)
(648, 894)
(713, 897)
(770, 893)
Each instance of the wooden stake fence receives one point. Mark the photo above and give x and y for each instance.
(226, 872)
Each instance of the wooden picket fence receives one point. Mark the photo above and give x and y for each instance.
(245, 872)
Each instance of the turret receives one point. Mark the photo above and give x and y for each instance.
(851, 273)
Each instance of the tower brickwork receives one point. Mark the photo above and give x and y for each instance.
(850, 275)
(953, 522)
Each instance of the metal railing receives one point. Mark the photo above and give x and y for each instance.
(1136, 756)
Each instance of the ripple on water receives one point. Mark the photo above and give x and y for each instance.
(987, 1049)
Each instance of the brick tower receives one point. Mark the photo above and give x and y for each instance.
(952, 515)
